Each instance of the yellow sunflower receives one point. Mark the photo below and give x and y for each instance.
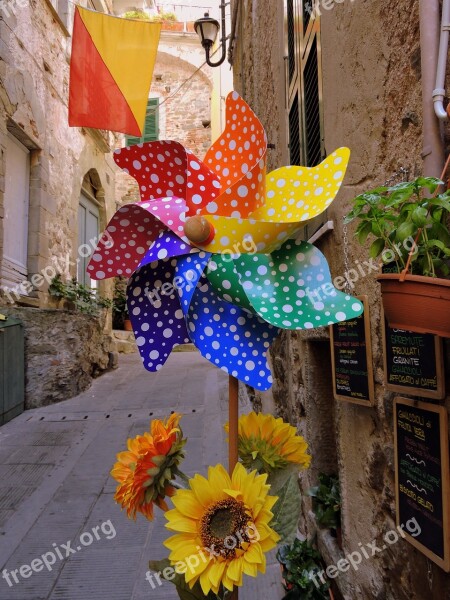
(145, 470)
(223, 525)
(268, 444)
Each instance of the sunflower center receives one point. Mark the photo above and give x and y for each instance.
(224, 527)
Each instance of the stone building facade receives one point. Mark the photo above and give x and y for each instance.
(57, 192)
(368, 97)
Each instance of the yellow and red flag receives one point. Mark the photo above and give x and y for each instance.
(111, 70)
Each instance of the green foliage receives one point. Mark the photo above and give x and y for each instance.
(301, 564)
(164, 17)
(287, 509)
(140, 15)
(391, 215)
(120, 307)
(85, 299)
(165, 570)
(327, 501)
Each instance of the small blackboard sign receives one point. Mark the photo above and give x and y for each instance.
(351, 358)
(422, 477)
(413, 363)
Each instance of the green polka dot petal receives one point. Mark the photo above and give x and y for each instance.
(292, 288)
(224, 279)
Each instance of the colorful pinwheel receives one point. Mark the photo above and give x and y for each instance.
(245, 279)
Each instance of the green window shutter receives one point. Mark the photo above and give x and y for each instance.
(151, 126)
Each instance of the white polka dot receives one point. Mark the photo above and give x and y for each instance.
(162, 253)
(140, 341)
(100, 275)
(226, 284)
(341, 316)
(209, 331)
(154, 354)
(124, 222)
(249, 365)
(242, 191)
(356, 307)
(137, 165)
(194, 165)
(167, 333)
(145, 327)
(262, 270)
(287, 308)
(283, 268)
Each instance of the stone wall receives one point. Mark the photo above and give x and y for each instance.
(373, 104)
(34, 71)
(64, 351)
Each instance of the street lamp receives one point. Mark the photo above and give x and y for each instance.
(207, 29)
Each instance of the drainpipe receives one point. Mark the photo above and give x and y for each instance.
(439, 92)
(433, 147)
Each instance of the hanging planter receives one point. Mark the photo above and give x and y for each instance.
(412, 238)
(417, 303)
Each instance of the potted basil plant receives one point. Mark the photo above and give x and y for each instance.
(408, 226)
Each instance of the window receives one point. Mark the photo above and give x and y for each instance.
(304, 90)
(88, 233)
(151, 127)
(16, 204)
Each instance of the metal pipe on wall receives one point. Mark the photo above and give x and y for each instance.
(433, 147)
(439, 92)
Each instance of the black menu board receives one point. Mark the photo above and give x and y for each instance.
(422, 477)
(351, 358)
(413, 363)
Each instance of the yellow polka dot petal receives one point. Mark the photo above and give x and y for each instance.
(294, 196)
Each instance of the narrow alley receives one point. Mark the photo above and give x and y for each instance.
(55, 483)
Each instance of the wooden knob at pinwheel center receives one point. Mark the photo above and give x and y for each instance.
(199, 230)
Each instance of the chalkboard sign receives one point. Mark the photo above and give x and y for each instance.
(413, 363)
(351, 358)
(422, 477)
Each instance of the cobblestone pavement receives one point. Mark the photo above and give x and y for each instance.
(55, 484)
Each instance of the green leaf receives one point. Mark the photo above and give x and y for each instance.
(419, 216)
(440, 201)
(376, 248)
(405, 231)
(362, 231)
(430, 183)
(183, 590)
(287, 509)
(277, 479)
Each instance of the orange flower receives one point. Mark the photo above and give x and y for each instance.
(145, 470)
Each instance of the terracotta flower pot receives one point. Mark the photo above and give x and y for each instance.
(418, 303)
(127, 325)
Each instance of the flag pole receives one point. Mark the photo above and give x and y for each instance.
(233, 407)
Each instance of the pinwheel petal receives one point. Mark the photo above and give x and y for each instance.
(224, 280)
(188, 273)
(155, 313)
(292, 288)
(299, 194)
(295, 195)
(229, 337)
(166, 168)
(239, 158)
(123, 245)
(168, 245)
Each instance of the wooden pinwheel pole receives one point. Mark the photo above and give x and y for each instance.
(200, 231)
(233, 408)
